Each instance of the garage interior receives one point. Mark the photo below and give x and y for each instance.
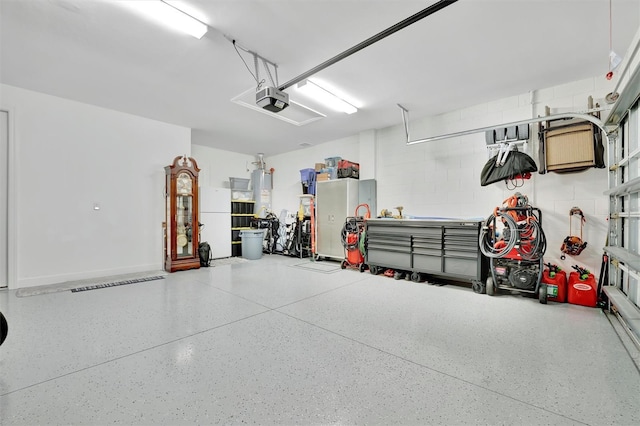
(437, 306)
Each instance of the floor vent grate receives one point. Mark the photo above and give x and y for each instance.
(116, 283)
(98, 282)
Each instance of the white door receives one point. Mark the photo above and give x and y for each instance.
(4, 193)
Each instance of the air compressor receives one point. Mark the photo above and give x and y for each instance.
(353, 240)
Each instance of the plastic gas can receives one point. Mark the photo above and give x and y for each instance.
(556, 286)
(582, 291)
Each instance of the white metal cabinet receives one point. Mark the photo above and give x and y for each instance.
(335, 201)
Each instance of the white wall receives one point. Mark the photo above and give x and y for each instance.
(286, 178)
(70, 156)
(442, 178)
(217, 166)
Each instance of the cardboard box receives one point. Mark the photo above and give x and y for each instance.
(319, 166)
(322, 176)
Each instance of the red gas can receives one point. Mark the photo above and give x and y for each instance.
(582, 292)
(556, 286)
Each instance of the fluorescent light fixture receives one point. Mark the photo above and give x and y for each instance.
(325, 97)
(169, 16)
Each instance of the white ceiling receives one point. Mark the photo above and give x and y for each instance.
(473, 51)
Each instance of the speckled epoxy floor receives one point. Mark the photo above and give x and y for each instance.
(264, 342)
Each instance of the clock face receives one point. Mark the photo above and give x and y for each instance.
(183, 183)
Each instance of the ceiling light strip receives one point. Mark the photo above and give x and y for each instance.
(169, 16)
(325, 97)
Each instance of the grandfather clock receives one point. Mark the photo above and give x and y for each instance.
(181, 199)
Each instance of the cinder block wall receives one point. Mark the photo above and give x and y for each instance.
(442, 178)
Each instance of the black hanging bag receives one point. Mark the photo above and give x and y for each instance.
(517, 165)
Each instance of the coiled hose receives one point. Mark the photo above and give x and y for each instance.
(488, 236)
(350, 227)
(526, 236)
(533, 242)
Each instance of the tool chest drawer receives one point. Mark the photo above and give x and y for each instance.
(390, 259)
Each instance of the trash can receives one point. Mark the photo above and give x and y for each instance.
(252, 243)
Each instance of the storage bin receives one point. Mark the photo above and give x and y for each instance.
(241, 221)
(247, 208)
(345, 164)
(333, 172)
(237, 195)
(236, 221)
(239, 183)
(332, 161)
(241, 208)
(307, 175)
(348, 172)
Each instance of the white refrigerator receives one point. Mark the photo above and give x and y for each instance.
(215, 215)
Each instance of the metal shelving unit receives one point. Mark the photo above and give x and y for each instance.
(241, 216)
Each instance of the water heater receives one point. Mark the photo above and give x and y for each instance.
(262, 186)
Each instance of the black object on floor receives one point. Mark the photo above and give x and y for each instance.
(4, 328)
(117, 283)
